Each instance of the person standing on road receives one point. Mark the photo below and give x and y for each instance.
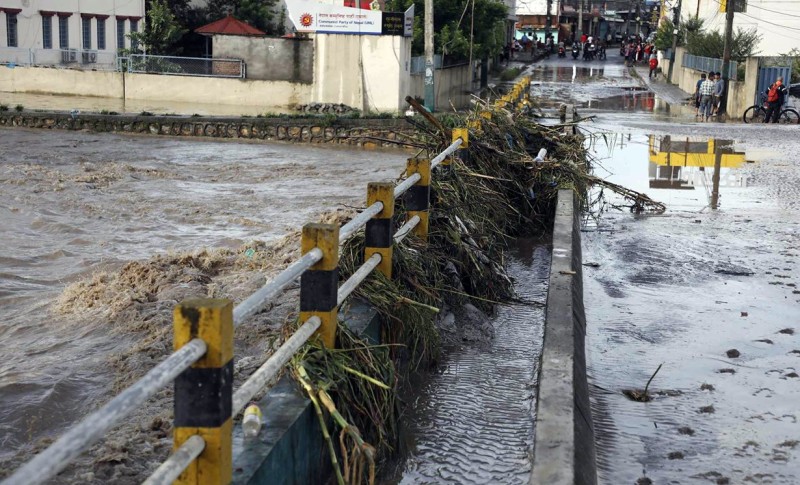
(775, 97)
(719, 89)
(653, 64)
(706, 91)
(697, 93)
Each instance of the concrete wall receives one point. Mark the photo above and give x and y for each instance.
(741, 93)
(269, 58)
(371, 73)
(452, 85)
(29, 21)
(564, 449)
(368, 72)
(69, 82)
(186, 89)
(215, 90)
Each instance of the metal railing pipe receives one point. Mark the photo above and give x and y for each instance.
(406, 184)
(406, 228)
(359, 221)
(447, 151)
(177, 462)
(274, 364)
(360, 274)
(58, 455)
(266, 293)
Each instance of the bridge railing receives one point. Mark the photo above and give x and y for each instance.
(201, 366)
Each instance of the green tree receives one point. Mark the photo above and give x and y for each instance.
(258, 13)
(452, 23)
(161, 32)
(712, 44)
(687, 28)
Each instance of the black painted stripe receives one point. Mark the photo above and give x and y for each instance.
(378, 233)
(318, 290)
(204, 396)
(417, 197)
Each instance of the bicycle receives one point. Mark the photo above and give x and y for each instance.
(758, 112)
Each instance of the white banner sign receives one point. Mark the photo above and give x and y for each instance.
(310, 16)
(408, 26)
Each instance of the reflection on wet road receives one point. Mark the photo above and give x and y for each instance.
(473, 422)
(710, 294)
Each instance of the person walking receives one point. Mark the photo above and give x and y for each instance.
(706, 91)
(697, 94)
(653, 65)
(719, 89)
(775, 98)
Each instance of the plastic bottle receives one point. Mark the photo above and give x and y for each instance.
(251, 424)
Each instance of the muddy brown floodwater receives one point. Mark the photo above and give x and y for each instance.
(103, 233)
(711, 294)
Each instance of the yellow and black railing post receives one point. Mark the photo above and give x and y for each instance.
(378, 234)
(463, 150)
(204, 392)
(417, 199)
(319, 285)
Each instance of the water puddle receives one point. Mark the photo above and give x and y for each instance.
(472, 422)
(705, 294)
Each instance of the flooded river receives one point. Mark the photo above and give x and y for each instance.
(74, 205)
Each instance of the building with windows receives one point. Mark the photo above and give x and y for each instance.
(80, 32)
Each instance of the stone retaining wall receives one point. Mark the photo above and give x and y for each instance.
(366, 133)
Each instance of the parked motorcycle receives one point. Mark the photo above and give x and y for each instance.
(576, 50)
(562, 52)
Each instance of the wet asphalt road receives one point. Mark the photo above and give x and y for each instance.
(710, 294)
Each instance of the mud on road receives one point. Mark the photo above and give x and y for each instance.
(713, 295)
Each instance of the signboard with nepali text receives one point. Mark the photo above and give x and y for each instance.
(311, 16)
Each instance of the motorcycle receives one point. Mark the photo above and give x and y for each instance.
(576, 50)
(561, 52)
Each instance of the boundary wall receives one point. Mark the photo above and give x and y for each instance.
(742, 93)
(564, 446)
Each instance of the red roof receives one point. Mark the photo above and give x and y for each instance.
(229, 26)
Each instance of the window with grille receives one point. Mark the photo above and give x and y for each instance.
(120, 34)
(87, 32)
(134, 28)
(11, 29)
(63, 32)
(101, 33)
(47, 31)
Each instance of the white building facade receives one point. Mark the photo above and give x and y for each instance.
(777, 21)
(50, 32)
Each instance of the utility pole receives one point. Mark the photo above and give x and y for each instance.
(429, 65)
(715, 177)
(730, 7)
(549, 19)
(628, 20)
(580, 21)
(676, 20)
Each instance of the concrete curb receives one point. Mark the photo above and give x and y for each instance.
(564, 449)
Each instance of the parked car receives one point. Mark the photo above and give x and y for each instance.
(618, 36)
(794, 89)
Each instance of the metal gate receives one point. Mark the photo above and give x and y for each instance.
(768, 75)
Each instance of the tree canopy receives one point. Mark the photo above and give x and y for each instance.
(162, 30)
(453, 21)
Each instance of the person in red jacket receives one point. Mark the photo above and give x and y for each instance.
(653, 65)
